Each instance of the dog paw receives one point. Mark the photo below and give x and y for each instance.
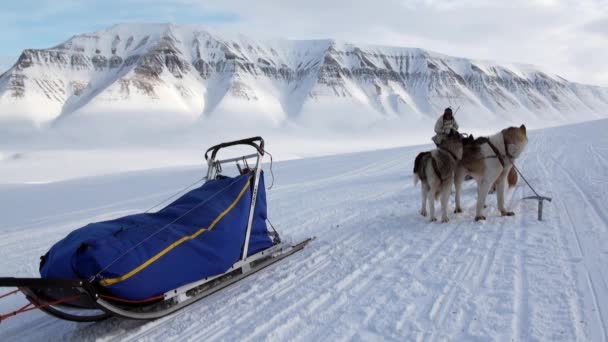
(433, 219)
(445, 220)
(480, 218)
(507, 213)
(458, 211)
(423, 213)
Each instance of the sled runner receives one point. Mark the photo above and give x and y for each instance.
(149, 265)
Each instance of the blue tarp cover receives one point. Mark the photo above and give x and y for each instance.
(139, 260)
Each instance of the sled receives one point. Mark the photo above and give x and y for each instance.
(101, 295)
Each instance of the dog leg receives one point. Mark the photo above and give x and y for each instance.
(500, 195)
(458, 179)
(493, 189)
(482, 192)
(425, 192)
(445, 197)
(431, 199)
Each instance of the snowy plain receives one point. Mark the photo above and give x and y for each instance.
(377, 269)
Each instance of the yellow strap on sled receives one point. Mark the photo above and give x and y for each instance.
(112, 281)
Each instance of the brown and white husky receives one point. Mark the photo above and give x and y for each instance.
(488, 161)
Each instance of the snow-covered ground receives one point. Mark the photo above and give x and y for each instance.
(377, 270)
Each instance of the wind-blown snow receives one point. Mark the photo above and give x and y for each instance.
(377, 270)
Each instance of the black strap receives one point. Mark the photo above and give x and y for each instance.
(497, 152)
(436, 168)
(506, 150)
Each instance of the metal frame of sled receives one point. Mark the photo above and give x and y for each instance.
(81, 301)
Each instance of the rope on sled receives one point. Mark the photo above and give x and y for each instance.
(30, 306)
(176, 194)
(130, 301)
(8, 294)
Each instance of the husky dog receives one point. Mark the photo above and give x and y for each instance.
(489, 161)
(435, 169)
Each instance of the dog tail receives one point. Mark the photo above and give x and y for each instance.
(512, 177)
(418, 167)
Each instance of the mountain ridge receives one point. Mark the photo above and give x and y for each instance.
(194, 73)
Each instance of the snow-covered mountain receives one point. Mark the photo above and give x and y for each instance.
(193, 74)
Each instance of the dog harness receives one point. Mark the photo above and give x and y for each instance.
(436, 168)
(497, 153)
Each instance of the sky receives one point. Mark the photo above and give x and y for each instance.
(566, 37)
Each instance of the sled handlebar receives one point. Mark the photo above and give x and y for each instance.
(255, 142)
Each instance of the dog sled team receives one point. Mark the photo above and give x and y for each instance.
(487, 160)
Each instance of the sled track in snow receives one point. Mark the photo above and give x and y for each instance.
(591, 274)
(380, 271)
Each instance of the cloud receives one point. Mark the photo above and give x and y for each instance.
(598, 27)
(554, 34)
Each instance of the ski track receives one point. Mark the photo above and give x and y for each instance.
(377, 270)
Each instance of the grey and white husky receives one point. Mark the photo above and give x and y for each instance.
(435, 170)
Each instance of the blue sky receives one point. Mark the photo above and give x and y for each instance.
(41, 24)
(567, 37)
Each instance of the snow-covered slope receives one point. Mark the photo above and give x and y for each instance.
(377, 270)
(191, 73)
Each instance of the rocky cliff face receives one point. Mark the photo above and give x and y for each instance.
(194, 73)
